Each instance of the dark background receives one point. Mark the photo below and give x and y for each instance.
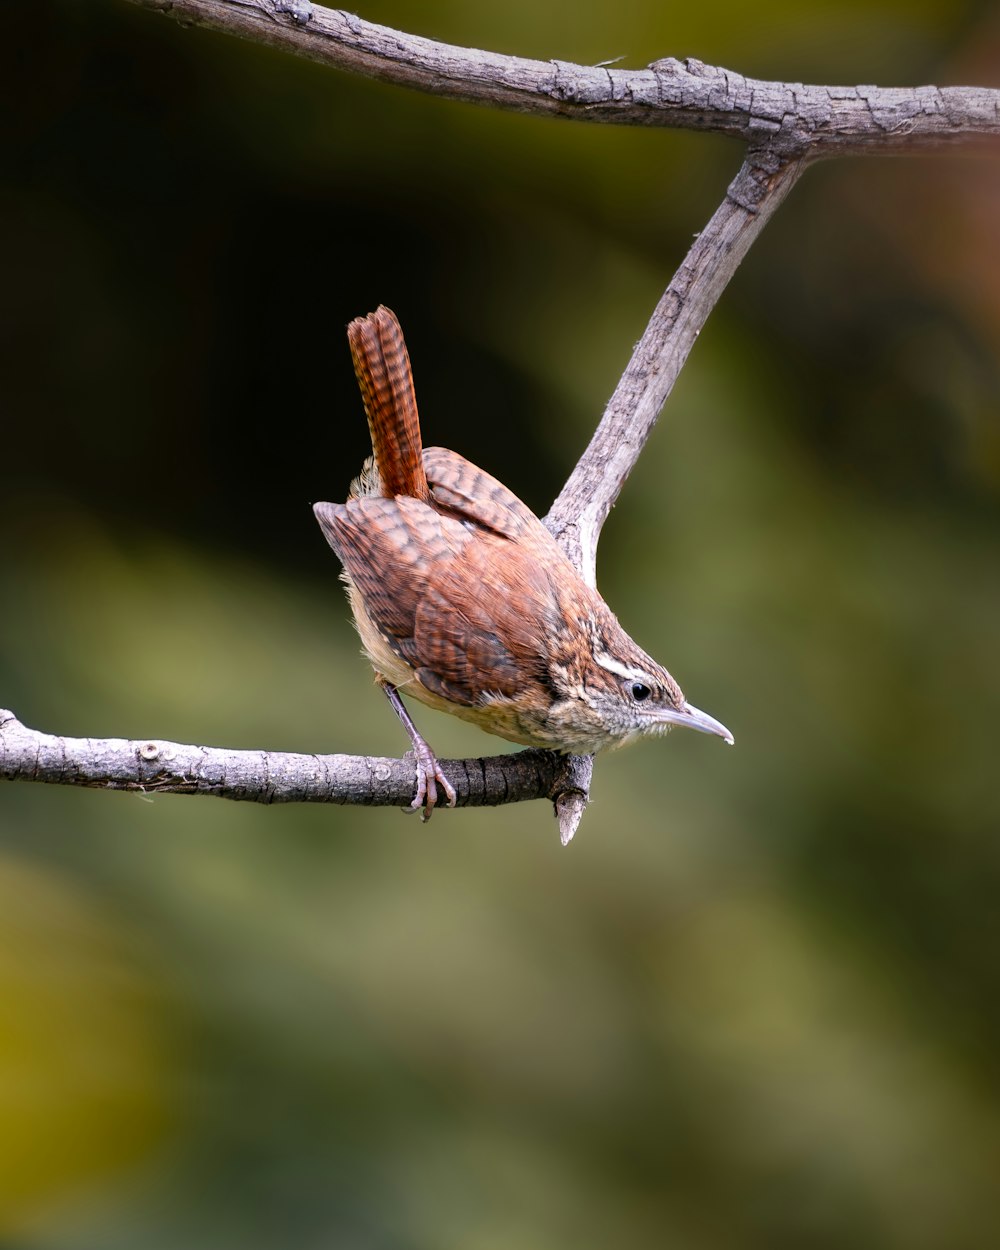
(755, 1003)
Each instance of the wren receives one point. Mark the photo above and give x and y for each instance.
(464, 600)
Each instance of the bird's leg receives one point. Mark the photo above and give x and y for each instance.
(429, 773)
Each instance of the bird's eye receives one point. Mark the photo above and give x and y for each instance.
(639, 692)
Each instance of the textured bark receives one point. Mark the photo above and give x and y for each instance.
(583, 504)
(669, 92)
(151, 766)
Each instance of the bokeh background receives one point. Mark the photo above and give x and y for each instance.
(755, 1004)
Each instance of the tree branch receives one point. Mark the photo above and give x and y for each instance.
(668, 92)
(156, 767)
(584, 502)
(786, 127)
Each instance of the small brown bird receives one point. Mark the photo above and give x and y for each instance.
(464, 600)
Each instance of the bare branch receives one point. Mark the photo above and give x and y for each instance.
(156, 767)
(686, 94)
(583, 504)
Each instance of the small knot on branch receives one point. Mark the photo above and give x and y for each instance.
(570, 793)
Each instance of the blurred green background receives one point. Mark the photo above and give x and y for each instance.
(755, 1004)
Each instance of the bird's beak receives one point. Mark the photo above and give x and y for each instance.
(691, 718)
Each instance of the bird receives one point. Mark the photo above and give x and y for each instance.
(464, 600)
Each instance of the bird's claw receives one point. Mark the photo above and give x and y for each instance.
(429, 777)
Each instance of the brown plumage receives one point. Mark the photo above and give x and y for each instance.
(463, 599)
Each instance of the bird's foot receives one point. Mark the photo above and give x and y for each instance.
(429, 777)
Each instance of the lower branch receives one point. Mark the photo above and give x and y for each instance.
(156, 767)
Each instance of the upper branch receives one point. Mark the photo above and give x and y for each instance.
(685, 94)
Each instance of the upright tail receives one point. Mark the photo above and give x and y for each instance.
(383, 369)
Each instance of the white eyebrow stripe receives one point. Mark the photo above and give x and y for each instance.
(622, 670)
